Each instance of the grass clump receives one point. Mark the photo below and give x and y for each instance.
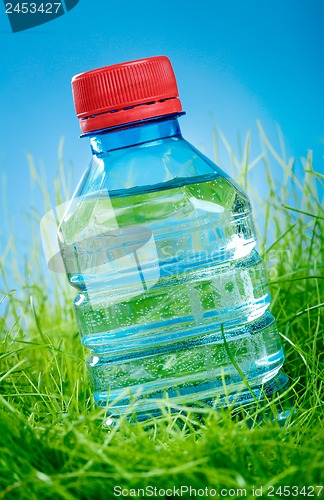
(54, 443)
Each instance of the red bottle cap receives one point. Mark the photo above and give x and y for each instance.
(125, 93)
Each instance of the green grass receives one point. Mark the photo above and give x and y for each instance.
(54, 442)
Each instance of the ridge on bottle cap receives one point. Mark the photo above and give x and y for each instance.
(125, 93)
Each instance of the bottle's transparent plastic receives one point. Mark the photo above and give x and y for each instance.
(160, 244)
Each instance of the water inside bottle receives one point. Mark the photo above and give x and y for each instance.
(171, 290)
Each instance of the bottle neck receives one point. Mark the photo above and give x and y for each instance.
(134, 135)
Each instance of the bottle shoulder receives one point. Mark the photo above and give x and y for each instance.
(149, 166)
(154, 171)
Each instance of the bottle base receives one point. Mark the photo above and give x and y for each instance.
(246, 400)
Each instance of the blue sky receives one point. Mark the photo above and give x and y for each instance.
(234, 60)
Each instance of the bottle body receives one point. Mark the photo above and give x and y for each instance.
(173, 295)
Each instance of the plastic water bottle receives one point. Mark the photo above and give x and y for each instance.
(160, 244)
